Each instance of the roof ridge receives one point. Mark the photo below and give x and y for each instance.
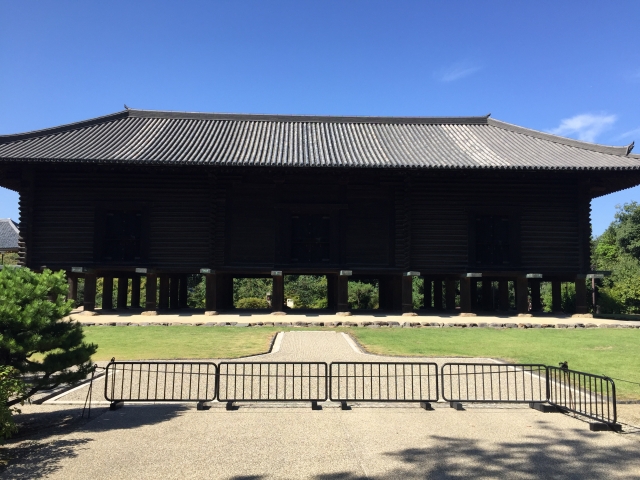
(266, 117)
(621, 151)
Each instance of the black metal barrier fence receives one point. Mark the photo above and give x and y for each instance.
(273, 381)
(160, 381)
(384, 382)
(592, 396)
(494, 383)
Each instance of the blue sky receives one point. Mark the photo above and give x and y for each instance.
(570, 67)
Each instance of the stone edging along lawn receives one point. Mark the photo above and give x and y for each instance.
(375, 324)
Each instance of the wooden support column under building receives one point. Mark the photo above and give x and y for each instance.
(466, 294)
(210, 293)
(123, 292)
(581, 296)
(473, 294)
(277, 295)
(163, 303)
(107, 293)
(487, 295)
(174, 304)
(73, 287)
(428, 301)
(450, 294)
(151, 293)
(406, 285)
(437, 294)
(135, 291)
(342, 293)
(522, 294)
(503, 295)
(332, 292)
(89, 292)
(183, 292)
(536, 303)
(556, 296)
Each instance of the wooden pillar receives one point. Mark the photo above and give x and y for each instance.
(427, 294)
(522, 294)
(487, 295)
(503, 294)
(556, 296)
(536, 303)
(210, 297)
(123, 291)
(277, 295)
(183, 292)
(135, 291)
(473, 294)
(342, 293)
(224, 291)
(450, 294)
(163, 304)
(173, 292)
(406, 285)
(581, 296)
(73, 288)
(89, 292)
(107, 293)
(152, 287)
(466, 294)
(332, 292)
(437, 294)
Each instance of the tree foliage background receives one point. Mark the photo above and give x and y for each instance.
(618, 250)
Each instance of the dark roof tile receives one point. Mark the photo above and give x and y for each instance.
(152, 137)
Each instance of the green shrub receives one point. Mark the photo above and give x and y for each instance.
(252, 303)
(363, 295)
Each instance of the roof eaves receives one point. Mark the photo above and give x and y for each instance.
(63, 128)
(610, 150)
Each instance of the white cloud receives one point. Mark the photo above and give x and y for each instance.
(457, 71)
(585, 127)
(631, 133)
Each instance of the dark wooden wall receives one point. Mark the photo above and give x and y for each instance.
(236, 219)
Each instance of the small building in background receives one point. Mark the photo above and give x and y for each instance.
(9, 235)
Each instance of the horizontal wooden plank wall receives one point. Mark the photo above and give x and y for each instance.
(228, 218)
(546, 210)
(65, 208)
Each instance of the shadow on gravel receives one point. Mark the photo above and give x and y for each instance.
(37, 460)
(535, 457)
(38, 450)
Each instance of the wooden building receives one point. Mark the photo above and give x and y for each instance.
(167, 194)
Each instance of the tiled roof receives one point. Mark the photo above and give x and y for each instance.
(8, 235)
(152, 137)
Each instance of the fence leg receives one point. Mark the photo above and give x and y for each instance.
(115, 405)
(605, 427)
(426, 406)
(203, 405)
(543, 407)
(231, 406)
(344, 406)
(456, 405)
(315, 406)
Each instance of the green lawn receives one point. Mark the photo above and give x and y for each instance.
(615, 353)
(148, 343)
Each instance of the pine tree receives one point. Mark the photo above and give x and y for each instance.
(35, 338)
